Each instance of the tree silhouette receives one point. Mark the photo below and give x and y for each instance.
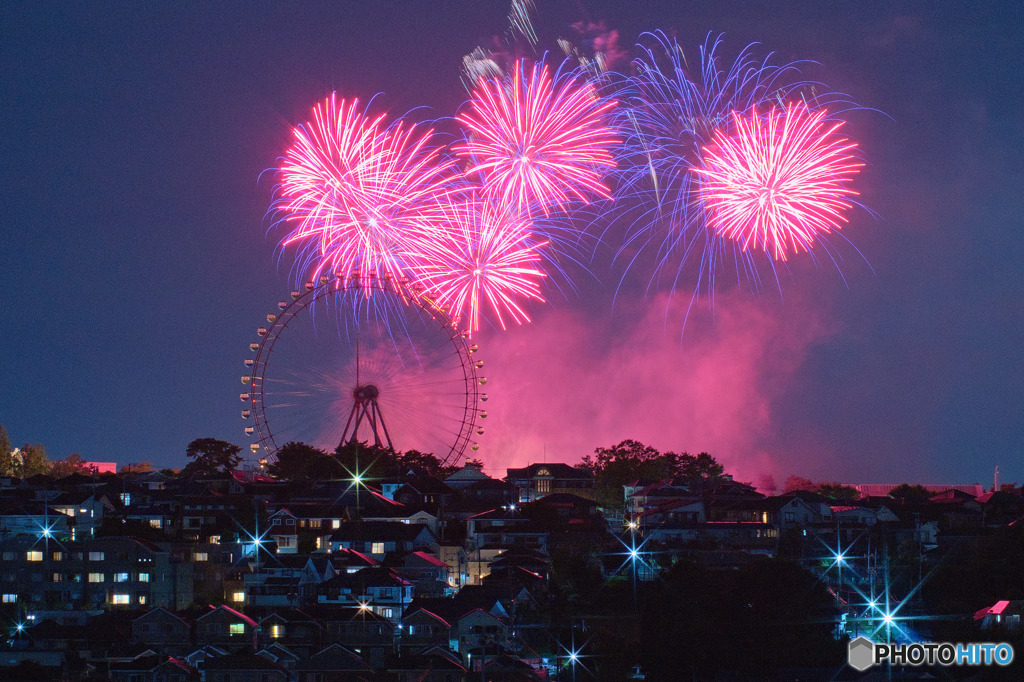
(211, 456)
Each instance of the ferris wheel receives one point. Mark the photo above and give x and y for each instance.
(362, 360)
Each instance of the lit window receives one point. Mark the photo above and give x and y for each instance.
(58, 556)
(95, 577)
(336, 523)
(238, 596)
(95, 556)
(121, 577)
(377, 548)
(156, 523)
(57, 577)
(10, 598)
(201, 556)
(142, 599)
(143, 577)
(277, 631)
(237, 629)
(121, 599)
(126, 498)
(34, 555)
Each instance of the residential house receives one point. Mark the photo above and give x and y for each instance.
(428, 574)
(378, 589)
(152, 668)
(225, 627)
(379, 538)
(162, 630)
(468, 475)
(334, 663)
(243, 665)
(296, 630)
(1005, 615)
(432, 664)
(421, 627)
(538, 480)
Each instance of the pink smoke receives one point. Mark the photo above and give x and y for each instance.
(570, 382)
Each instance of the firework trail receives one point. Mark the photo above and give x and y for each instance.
(537, 140)
(353, 190)
(480, 256)
(780, 181)
(671, 113)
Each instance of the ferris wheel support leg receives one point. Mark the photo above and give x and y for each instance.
(384, 428)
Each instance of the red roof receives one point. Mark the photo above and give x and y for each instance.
(995, 609)
(430, 559)
(241, 615)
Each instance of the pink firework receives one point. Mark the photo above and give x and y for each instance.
(354, 189)
(538, 139)
(480, 256)
(778, 181)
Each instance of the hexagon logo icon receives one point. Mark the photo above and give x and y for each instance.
(861, 653)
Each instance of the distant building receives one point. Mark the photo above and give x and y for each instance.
(537, 480)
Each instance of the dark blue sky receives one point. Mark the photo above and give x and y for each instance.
(136, 262)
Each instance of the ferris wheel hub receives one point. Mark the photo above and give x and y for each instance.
(365, 393)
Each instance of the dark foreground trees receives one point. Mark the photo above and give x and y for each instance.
(631, 461)
(211, 456)
(297, 461)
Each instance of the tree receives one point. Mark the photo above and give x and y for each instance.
(695, 469)
(838, 492)
(6, 465)
(627, 462)
(798, 483)
(211, 456)
(913, 494)
(31, 460)
(374, 461)
(71, 464)
(631, 461)
(421, 461)
(297, 461)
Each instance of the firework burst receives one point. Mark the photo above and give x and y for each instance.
(353, 189)
(779, 181)
(672, 112)
(480, 257)
(537, 139)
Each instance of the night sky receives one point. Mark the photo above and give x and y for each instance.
(137, 262)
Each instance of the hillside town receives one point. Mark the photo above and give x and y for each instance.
(228, 575)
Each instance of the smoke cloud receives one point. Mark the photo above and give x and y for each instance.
(573, 381)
